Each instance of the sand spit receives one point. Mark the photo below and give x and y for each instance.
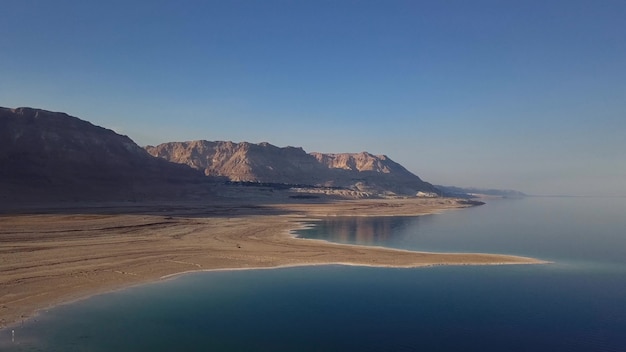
(60, 254)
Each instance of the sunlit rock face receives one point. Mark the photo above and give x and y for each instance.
(265, 162)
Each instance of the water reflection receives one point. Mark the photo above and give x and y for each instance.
(363, 230)
(576, 304)
(583, 230)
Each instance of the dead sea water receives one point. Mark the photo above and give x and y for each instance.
(576, 304)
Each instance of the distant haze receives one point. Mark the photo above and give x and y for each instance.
(526, 95)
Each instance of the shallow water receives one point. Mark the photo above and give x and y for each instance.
(576, 304)
(557, 229)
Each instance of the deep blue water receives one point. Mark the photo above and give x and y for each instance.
(576, 304)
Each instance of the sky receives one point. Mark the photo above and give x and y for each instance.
(525, 95)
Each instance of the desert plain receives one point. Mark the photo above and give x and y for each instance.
(56, 254)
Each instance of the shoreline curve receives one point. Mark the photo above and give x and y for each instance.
(61, 255)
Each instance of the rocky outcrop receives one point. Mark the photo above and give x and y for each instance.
(358, 162)
(51, 155)
(241, 161)
(264, 162)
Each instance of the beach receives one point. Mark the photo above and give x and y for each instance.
(54, 255)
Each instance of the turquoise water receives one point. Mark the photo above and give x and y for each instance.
(576, 304)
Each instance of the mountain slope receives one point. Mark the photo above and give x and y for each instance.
(240, 161)
(51, 155)
(267, 163)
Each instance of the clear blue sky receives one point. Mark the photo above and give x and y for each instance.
(528, 95)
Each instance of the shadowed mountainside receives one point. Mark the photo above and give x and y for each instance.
(264, 162)
(48, 155)
(52, 156)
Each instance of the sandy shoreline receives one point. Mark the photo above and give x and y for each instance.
(61, 254)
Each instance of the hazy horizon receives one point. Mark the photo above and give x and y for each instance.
(527, 96)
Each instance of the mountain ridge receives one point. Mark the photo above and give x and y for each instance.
(46, 155)
(264, 162)
(52, 155)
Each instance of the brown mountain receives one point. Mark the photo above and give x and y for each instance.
(51, 156)
(48, 155)
(267, 163)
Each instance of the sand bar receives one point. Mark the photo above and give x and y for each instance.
(63, 253)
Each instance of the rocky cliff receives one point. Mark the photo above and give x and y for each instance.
(51, 155)
(268, 163)
(241, 161)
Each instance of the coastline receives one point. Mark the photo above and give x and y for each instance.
(60, 255)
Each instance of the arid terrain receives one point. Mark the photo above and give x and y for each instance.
(264, 162)
(84, 210)
(58, 254)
